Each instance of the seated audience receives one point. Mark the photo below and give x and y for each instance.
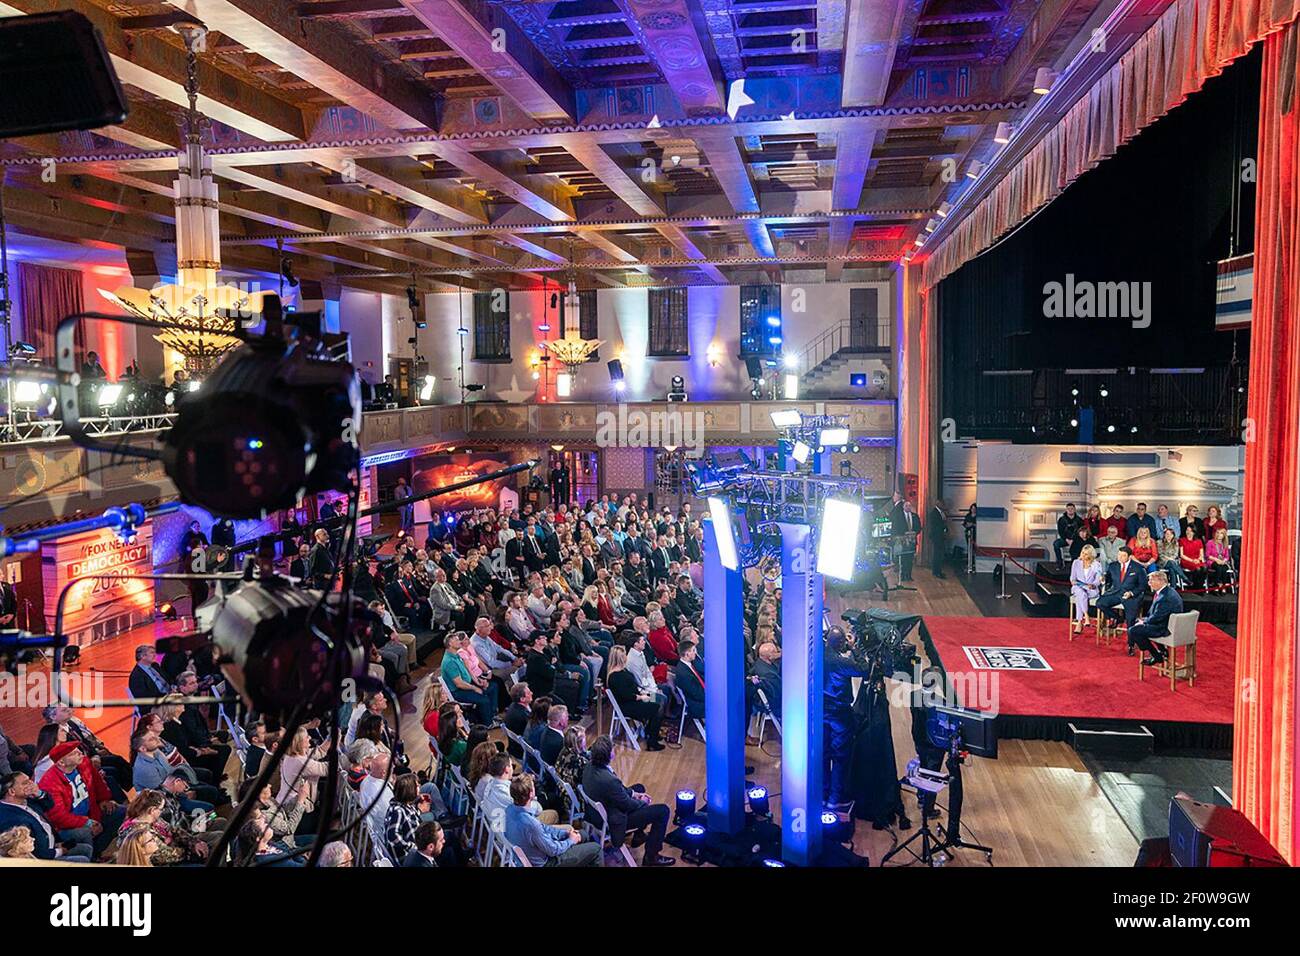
(630, 809)
(544, 844)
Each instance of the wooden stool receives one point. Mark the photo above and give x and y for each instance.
(1182, 633)
(1107, 629)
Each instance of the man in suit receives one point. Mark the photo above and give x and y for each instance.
(215, 754)
(610, 549)
(689, 680)
(429, 841)
(766, 675)
(516, 718)
(534, 555)
(145, 680)
(1128, 582)
(588, 566)
(905, 528)
(406, 601)
(1166, 601)
(552, 742)
(447, 605)
(8, 604)
(659, 558)
(936, 533)
(320, 560)
(223, 532)
(628, 808)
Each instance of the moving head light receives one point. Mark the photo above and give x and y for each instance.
(276, 420)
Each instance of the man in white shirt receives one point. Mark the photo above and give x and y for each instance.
(539, 607)
(375, 789)
(496, 658)
(493, 794)
(640, 669)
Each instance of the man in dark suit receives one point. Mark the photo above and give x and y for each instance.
(765, 675)
(320, 560)
(223, 532)
(516, 718)
(406, 601)
(588, 566)
(1166, 601)
(659, 560)
(145, 680)
(429, 841)
(8, 604)
(1128, 582)
(905, 527)
(689, 680)
(552, 740)
(212, 752)
(936, 534)
(534, 557)
(628, 808)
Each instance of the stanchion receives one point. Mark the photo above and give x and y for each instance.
(1003, 593)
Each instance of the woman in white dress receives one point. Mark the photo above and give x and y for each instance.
(1085, 584)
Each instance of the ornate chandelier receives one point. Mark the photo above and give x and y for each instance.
(196, 314)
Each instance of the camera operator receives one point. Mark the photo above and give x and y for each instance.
(840, 669)
(929, 693)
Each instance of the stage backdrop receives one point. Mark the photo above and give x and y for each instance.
(99, 608)
(1022, 489)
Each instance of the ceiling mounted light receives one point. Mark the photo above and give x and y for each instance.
(974, 169)
(932, 225)
(943, 210)
(1043, 80)
(1003, 133)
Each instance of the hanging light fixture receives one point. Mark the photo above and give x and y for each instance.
(192, 307)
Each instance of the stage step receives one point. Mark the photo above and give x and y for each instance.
(1127, 742)
(1046, 600)
(1035, 604)
(1051, 571)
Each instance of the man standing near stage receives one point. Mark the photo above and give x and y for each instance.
(936, 534)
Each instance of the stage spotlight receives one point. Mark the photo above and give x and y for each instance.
(615, 367)
(758, 802)
(194, 384)
(773, 863)
(1074, 423)
(693, 841)
(564, 385)
(932, 225)
(787, 418)
(677, 389)
(974, 169)
(724, 532)
(28, 392)
(1074, 392)
(791, 387)
(833, 437)
(834, 829)
(108, 395)
(1002, 134)
(943, 210)
(800, 452)
(837, 538)
(1110, 428)
(1104, 391)
(855, 448)
(620, 385)
(774, 321)
(167, 611)
(790, 361)
(857, 379)
(426, 389)
(774, 340)
(685, 806)
(1043, 80)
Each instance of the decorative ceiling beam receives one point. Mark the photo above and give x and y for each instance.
(870, 43)
(668, 31)
(852, 159)
(368, 211)
(489, 175)
(535, 249)
(607, 169)
(485, 37)
(686, 246)
(841, 234)
(728, 166)
(325, 54)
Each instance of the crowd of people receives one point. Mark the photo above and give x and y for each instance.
(538, 611)
(1119, 562)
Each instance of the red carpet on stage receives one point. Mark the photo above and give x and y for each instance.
(1087, 681)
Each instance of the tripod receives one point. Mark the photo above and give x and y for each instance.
(934, 846)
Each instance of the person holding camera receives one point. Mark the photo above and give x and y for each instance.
(837, 755)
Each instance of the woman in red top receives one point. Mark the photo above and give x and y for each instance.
(661, 639)
(1213, 522)
(1192, 557)
(1144, 549)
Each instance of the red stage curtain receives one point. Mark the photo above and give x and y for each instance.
(45, 297)
(1264, 757)
(1192, 41)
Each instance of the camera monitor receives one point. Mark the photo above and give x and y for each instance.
(978, 731)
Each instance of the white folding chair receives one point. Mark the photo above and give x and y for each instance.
(681, 724)
(595, 810)
(765, 714)
(617, 719)
(520, 857)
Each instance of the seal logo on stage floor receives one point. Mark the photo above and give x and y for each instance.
(1006, 659)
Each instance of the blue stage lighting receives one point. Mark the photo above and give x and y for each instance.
(726, 535)
(758, 801)
(685, 805)
(771, 862)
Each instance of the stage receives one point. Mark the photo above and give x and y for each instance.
(1081, 681)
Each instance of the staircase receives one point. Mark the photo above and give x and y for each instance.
(833, 350)
(1051, 594)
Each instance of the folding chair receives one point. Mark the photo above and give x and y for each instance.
(575, 806)
(765, 714)
(595, 810)
(681, 724)
(617, 720)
